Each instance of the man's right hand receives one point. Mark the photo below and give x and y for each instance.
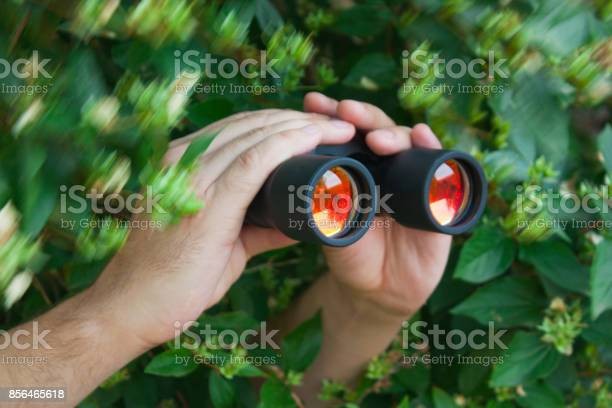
(161, 277)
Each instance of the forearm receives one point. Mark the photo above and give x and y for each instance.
(84, 348)
(354, 331)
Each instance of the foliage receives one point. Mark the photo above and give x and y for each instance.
(114, 100)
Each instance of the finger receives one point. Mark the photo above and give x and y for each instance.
(231, 194)
(333, 132)
(319, 103)
(363, 115)
(257, 240)
(218, 125)
(238, 124)
(389, 140)
(423, 136)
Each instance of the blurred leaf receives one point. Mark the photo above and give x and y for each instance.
(601, 279)
(195, 149)
(538, 124)
(275, 394)
(364, 20)
(171, 363)
(560, 26)
(210, 110)
(509, 301)
(527, 359)
(267, 16)
(237, 321)
(441, 399)
(372, 72)
(556, 261)
(540, 395)
(487, 254)
(604, 141)
(221, 391)
(301, 346)
(600, 330)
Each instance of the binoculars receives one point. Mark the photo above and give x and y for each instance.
(331, 195)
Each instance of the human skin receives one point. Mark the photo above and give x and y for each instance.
(163, 277)
(378, 282)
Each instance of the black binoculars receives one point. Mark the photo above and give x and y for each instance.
(331, 195)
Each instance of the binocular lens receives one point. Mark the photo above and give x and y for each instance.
(332, 206)
(449, 192)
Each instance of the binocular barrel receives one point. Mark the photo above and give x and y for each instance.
(330, 196)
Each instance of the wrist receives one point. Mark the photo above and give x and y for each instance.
(366, 307)
(106, 317)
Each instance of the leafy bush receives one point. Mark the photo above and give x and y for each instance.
(104, 114)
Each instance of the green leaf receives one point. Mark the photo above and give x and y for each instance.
(540, 395)
(526, 360)
(441, 399)
(210, 110)
(275, 394)
(509, 301)
(601, 278)
(600, 330)
(237, 321)
(172, 363)
(364, 20)
(301, 346)
(604, 142)
(556, 261)
(404, 403)
(533, 109)
(487, 254)
(372, 72)
(221, 391)
(267, 16)
(196, 148)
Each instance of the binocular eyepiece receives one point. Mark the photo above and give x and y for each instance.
(330, 196)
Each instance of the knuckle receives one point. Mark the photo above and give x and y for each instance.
(250, 158)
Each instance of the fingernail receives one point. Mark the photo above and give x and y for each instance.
(311, 129)
(340, 124)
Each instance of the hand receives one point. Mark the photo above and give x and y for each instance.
(395, 269)
(161, 277)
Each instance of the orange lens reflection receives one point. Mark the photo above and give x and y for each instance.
(448, 192)
(332, 205)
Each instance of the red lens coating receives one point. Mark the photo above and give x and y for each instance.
(448, 192)
(332, 205)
